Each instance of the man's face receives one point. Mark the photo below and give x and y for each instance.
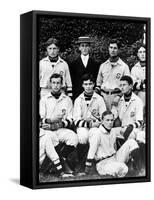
(113, 50)
(84, 48)
(141, 54)
(107, 121)
(56, 85)
(52, 50)
(125, 87)
(88, 86)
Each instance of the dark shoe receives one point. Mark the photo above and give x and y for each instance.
(66, 167)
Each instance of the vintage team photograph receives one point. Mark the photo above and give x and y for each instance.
(92, 98)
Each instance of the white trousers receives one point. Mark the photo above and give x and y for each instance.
(65, 135)
(141, 94)
(46, 147)
(115, 165)
(108, 98)
(84, 134)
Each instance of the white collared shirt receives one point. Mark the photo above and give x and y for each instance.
(50, 107)
(129, 112)
(85, 59)
(48, 68)
(95, 108)
(109, 75)
(138, 73)
(106, 144)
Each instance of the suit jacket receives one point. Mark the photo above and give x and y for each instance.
(77, 70)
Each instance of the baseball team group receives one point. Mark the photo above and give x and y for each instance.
(92, 116)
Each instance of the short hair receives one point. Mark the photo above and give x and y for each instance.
(56, 76)
(115, 41)
(139, 45)
(87, 77)
(142, 45)
(128, 79)
(107, 112)
(52, 41)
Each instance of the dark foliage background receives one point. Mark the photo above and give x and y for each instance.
(68, 29)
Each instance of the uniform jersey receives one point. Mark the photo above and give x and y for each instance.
(106, 143)
(48, 68)
(138, 73)
(50, 107)
(110, 73)
(93, 110)
(129, 112)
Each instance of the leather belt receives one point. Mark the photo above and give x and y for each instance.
(97, 161)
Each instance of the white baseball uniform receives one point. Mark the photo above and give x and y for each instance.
(109, 78)
(48, 68)
(82, 112)
(103, 150)
(50, 107)
(138, 75)
(130, 113)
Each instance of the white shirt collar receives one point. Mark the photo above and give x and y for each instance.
(85, 59)
(94, 96)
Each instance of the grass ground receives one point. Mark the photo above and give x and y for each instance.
(95, 176)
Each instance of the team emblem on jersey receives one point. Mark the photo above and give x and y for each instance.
(132, 114)
(63, 111)
(118, 75)
(61, 73)
(94, 113)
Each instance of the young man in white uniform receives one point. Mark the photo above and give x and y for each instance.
(88, 108)
(56, 116)
(110, 72)
(54, 64)
(138, 74)
(103, 150)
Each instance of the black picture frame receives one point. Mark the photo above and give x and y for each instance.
(29, 101)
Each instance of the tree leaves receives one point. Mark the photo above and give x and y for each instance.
(68, 29)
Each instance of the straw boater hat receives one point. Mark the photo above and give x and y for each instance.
(84, 39)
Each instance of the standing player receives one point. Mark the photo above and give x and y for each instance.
(103, 151)
(54, 64)
(110, 72)
(56, 115)
(88, 108)
(138, 73)
(82, 65)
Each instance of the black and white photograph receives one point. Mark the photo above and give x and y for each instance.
(93, 98)
(85, 99)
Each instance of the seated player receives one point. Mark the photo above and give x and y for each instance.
(48, 155)
(102, 150)
(56, 116)
(130, 109)
(88, 108)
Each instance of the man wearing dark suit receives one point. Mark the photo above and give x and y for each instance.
(82, 65)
